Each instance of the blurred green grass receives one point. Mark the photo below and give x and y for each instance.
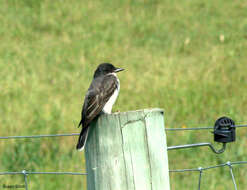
(188, 57)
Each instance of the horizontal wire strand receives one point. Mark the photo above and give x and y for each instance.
(77, 134)
(199, 128)
(54, 173)
(209, 167)
(176, 170)
(40, 136)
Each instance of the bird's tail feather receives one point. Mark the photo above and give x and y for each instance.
(82, 138)
(80, 124)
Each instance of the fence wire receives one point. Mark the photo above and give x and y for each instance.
(26, 173)
(199, 169)
(199, 128)
(40, 136)
(77, 134)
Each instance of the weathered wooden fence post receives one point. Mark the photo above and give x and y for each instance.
(127, 151)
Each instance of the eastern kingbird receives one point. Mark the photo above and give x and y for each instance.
(100, 97)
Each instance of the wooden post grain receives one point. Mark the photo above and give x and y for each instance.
(128, 151)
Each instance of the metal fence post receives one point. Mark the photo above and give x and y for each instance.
(128, 151)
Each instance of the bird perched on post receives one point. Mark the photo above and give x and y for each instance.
(100, 97)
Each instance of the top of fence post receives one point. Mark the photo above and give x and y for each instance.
(128, 151)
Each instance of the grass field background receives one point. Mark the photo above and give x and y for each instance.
(187, 57)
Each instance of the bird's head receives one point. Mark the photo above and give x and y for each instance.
(106, 68)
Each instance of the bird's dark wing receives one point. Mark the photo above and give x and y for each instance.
(98, 94)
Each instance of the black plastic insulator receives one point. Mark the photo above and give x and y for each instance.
(224, 130)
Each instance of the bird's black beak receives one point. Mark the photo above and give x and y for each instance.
(118, 70)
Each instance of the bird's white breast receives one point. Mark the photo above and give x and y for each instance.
(108, 106)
